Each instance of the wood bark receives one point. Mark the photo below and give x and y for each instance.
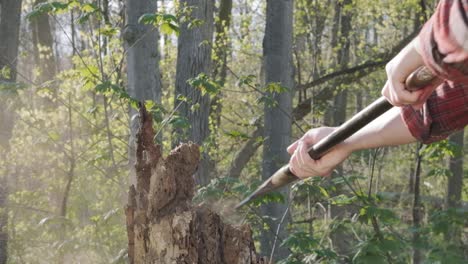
(10, 14)
(143, 77)
(162, 224)
(193, 58)
(277, 62)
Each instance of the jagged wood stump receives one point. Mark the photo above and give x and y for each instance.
(162, 224)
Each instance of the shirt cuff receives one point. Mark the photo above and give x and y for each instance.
(419, 123)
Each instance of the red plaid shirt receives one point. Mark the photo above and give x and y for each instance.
(444, 42)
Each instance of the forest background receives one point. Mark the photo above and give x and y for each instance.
(243, 79)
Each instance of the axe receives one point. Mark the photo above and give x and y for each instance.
(416, 80)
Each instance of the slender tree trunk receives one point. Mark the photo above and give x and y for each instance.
(417, 208)
(455, 181)
(10, 14)
(342, 240)
(193, 58)
(335, 40)
(340, 38)
(162, 224)
(340, 102)
(455, 184)
(277, 62)
(143, 77)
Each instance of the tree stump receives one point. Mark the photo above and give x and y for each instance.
(162, 224)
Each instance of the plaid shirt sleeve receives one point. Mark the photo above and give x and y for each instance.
(444, 44)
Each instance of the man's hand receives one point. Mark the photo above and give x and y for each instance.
(303, 166)
(398, 69)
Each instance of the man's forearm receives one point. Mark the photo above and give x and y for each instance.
(387, 130)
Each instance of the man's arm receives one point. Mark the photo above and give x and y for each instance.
(387, 130)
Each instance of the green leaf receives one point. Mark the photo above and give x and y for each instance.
(383, 214)
(343, 200)
(89, 8)
(237, 134)
(167, 23)
(246, 80)
(300, 242)
(271, 197)
(205, 84)
(275, 87)
(148, 19)
(45, 8)
(11, 88)
(108, 31)
(157, 110)
(179, 122)
(54, 135)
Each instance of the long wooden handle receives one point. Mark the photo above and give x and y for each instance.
(420, 78)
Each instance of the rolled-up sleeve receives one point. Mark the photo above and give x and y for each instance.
(444, 112)
(444, 46)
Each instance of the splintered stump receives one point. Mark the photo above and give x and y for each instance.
(162, 224)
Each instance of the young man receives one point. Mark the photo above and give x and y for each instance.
(427, 115)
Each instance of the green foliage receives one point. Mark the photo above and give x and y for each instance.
(375, 250)
(300, 241)
(441, 149)
(205, 84)
(386, 216)
(443, 222)
(219, 188)
(157, 110)
(237, 134)
(5, 72)
(9, 88)
(179, 121)
(274, 87)
(246, 80)
(167, 23)
(45, 8)
(88, 10)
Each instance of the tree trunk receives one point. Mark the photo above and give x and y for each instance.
(277, 62)
(162, 224)
(417, 209)
(193, 58)
(455, 181)
(43, 46)
(143, 78)
(455, 185)
(342, 240)
(10, 14)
